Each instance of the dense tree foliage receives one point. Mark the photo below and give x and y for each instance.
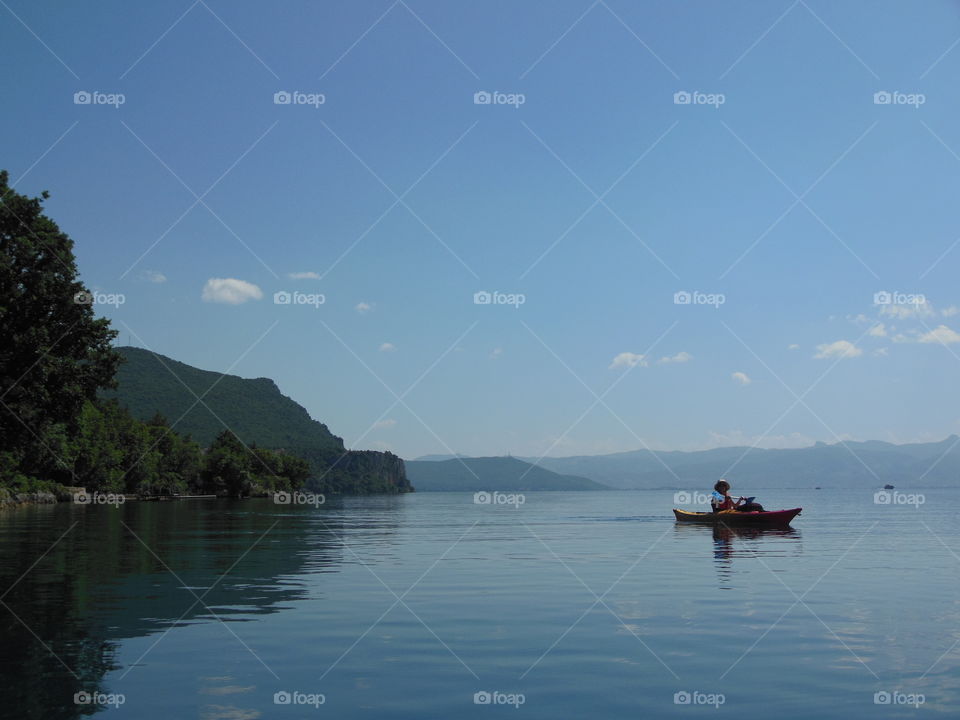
(233, 469)
(112, 452)
(55, 354)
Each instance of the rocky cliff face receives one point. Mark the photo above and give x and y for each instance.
(385, 467)
(357, 472)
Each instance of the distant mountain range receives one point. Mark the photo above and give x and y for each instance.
(257, 412)
(845, 464)
(504, 474)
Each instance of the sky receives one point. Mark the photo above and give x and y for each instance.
(537, 228)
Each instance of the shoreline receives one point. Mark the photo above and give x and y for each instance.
(66, 494)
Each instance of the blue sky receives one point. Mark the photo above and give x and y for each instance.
(785, 189)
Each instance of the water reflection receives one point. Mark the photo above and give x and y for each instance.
(76, 580)
(730, 543)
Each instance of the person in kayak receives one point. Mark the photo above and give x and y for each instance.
(720, 500)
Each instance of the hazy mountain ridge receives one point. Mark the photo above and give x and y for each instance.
(860, 464)
(491, 473)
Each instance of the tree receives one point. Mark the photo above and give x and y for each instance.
(227, 466)
(178, 466)
(55, 353)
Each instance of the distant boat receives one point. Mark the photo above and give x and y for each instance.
(888, 487)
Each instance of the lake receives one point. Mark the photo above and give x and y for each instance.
(432, 606)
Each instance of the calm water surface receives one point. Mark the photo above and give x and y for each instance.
(577, 604)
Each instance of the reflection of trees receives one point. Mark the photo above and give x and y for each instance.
(100, 584)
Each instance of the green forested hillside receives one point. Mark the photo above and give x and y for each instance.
(254, 409)
(257, 412)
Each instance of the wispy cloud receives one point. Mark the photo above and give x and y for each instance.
(680, 357)
(742, 378)
(153, 276)
(363, 307)
(385, 424)
(308, 275)
(387, 347)
(902, 312)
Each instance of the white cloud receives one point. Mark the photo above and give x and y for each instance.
(741, 378)
(950, 311)
(902, 312)
(941, 334)
(901, 338)
(309, 275)
(680, 357)
(230, 291)
(153, 276)
(385, 424)
(628, 359)
(838, 349)
(387, 347)
(497, 352)
(363, 307)
(881, 352)
(793, 346)
(878, 330)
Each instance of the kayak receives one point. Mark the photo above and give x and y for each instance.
(733, 517)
